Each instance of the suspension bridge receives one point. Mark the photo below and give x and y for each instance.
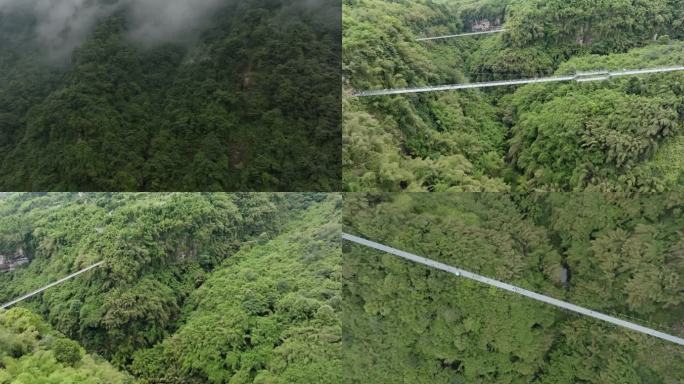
(580, 77)
(512, 288)
(58, 282)
(461, 35)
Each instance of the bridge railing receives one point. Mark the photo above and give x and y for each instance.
(599, 75)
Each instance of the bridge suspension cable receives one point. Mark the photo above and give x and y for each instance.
(580, 77)
(511, 288)
(60, 281)
(461, 35)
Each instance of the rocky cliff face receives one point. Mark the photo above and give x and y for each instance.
(483, 25)
(11, 261)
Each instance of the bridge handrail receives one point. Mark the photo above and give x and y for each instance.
(60, 281)
(578, 76)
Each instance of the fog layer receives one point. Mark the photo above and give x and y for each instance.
(62, 25)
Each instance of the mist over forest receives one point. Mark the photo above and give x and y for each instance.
(169, 95)
(62, 26)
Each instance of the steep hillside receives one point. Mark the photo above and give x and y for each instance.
(269, 314)
(248, 100)
(506, 139)
(158, 248)
(171, 262)
(625, 134)
(32, 352)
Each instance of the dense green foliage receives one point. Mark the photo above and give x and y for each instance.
(256, 276)
(604, 26)
(268, 316)
(32, 352)
(602, 136)
(389, 143)
(250, 104)
(407, 323)
(619, 135)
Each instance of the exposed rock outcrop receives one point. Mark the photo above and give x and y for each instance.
(12, 261)
(483, 25)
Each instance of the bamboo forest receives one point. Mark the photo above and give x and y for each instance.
(618, 134)
(341, 191)
(194, 288)
(406, 323)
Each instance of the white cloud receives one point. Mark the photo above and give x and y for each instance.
(62, 25)
(161, 21)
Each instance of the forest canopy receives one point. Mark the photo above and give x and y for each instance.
(32, 352)
(124, 98)
(622, 134)
(195, 288)
(620, 255)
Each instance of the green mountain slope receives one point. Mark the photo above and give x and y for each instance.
(616, 135)
(603, 136)
(32, 352)
(157, 249)
(269, 314)
(170, 263)
(252, 103)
